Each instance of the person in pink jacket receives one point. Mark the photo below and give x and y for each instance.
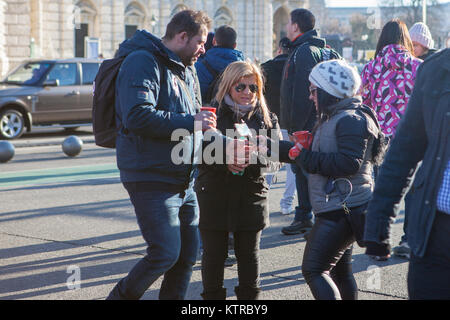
(387, 84)
(388, 80)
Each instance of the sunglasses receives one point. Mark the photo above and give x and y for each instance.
(241, 87)
(312, 90)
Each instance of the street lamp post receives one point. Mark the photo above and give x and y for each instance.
(153, 23)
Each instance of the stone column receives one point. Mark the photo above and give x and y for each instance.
(66, 29)
(267, 25)
(4, 61)
(118, 26)
(36, 27)
(105, 17)
(18, 31)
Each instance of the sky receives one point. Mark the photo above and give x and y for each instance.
(351, 3)
(357, 3)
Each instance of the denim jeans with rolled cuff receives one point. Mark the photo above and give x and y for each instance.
(169, 225)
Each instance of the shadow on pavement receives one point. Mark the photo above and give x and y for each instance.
(105, 209)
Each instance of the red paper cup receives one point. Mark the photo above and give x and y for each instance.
(302, 137)
(211, 109)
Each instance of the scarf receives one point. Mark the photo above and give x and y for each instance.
(240, 110)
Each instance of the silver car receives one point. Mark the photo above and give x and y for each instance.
(45, 93)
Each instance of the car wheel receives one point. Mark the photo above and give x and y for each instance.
(12, 124)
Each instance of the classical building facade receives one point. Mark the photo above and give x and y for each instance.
(63, 28)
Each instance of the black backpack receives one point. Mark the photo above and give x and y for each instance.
(103, 103)
(329, 54)
(213, 85)
(104, 107)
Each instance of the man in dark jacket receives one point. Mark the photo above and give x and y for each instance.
(423, 135)
(422, 44)
(217, 58)
(155, 96)
(273, 72)
(296, 110)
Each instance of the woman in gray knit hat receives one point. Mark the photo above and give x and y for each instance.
(422, 40)
(346, 142)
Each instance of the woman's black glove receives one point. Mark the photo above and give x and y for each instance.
(378, 251)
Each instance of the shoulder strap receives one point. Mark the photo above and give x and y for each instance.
(211, 70)
(161, 65)
(186, 89)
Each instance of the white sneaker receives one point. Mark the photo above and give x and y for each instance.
(286, 211)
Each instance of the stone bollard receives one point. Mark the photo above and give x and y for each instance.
(72, 146)
(7, 151)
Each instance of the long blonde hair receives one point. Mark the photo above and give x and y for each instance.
(236, 71)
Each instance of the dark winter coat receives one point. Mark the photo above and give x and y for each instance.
(428, 54)
(297, 111)
(423, 135)
(154, 97)
(231, 202)
(341, 148)
(273, 72)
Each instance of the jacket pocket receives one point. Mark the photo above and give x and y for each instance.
(419, 180)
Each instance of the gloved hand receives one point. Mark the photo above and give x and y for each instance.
(378, 251)
(294, 152)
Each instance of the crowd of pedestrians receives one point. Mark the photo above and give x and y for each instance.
(351, 144)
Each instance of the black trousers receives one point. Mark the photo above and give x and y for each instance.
(215, 251)
(327, 260)
(429, 276)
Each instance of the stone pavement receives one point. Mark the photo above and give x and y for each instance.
(82, 227)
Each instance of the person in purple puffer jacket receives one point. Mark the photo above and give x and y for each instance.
(388, 80)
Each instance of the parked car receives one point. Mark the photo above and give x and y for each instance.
(47, 92)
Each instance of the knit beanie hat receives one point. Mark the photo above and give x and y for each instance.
(337, 78)
(420, 33)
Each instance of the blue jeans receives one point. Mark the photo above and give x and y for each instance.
(303, 210)
(169, 224)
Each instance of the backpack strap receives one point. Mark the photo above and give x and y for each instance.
(329, 53)
(211, 70)
(162, 77)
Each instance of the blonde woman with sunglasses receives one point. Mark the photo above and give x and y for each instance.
(233, 197)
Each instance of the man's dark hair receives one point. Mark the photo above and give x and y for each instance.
(187, 20)
(209, 41)
(225, 37)
(284, 44)
(304, 19)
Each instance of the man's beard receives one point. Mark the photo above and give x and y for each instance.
(188, 60)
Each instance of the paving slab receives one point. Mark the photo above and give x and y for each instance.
(82, 226)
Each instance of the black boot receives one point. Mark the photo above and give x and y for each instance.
(220, 294)
(247, 293)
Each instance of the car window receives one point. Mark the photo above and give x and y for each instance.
(89, 72)
(65, 73)
(28, 73)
